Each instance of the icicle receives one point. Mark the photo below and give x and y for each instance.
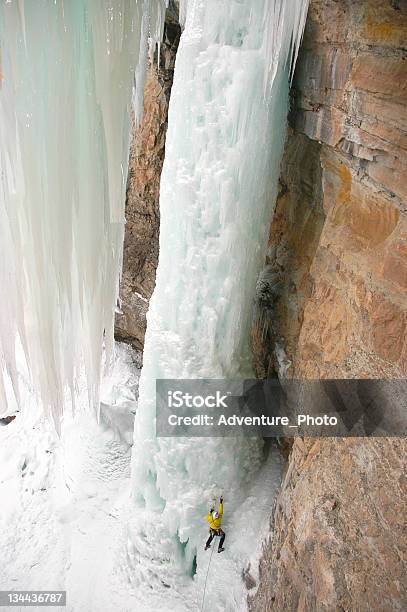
(284, 26)
(152, 33)
(183, 6)
(67, 77)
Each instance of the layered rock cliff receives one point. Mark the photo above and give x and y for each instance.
(337, 308)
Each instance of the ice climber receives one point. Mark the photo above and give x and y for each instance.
(214, 519)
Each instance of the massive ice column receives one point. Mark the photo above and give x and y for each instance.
(227, 123)
(67, 70)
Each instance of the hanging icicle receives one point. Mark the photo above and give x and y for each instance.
(67, 73)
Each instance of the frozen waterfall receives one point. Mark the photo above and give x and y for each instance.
(227, 124)
(66, 75)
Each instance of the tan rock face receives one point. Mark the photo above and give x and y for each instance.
(338, 524)
(338, 242)
(140, 255)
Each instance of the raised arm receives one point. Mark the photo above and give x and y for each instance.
(209, 515)
(221, 506)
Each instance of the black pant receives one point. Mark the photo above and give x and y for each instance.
(216, 532)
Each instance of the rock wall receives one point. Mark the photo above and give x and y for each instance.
(140, 256)
(336, 307)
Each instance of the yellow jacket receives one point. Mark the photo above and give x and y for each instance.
(215, 523)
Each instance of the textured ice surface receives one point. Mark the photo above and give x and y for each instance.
(62, 512)
(66, 75)
(66, 72)
(227, 123)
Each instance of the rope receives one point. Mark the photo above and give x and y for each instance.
(207, 572)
